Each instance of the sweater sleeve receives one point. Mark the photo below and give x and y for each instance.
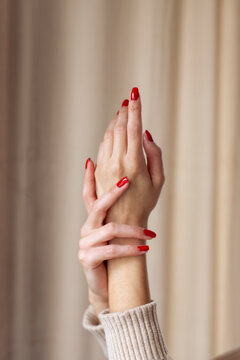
(90, 322)
(134, 334)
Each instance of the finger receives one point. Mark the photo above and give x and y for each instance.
(113, 230)
(103, 203)
(89, 190)
(134, 126)
(93, 257)
(120, 131)
(108, 138)
(154, 160)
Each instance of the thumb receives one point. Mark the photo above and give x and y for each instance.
(154, 159)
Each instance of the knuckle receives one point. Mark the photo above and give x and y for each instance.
(119, 128)
(134, 167)
(108, 134)
(111, 228)
(133, 173)
(117, 170)
(83, 231)
(84, 258)
(133, 130)
(85, 194)
(82, 243)
(81, 256)
(160, 180)
(159, 150)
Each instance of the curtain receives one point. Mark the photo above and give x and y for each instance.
(65, 68)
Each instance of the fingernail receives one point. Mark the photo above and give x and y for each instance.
(125, 102)
(134, 93)
(143, 248)
(122, 182)
(149, 233)
(117, 112)
(149, 136)
(87, 162)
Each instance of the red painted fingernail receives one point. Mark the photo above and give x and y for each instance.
(125, 102)
(117, 112)
(134, 93)
(143, 248)
(122, 182)
(149, 233)
(87, 162)
(149, 136)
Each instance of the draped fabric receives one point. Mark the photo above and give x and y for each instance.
(65, 68)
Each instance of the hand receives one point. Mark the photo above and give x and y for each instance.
(94, 248)
(121, 154)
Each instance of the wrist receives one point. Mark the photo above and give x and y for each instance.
(98, 303)
(141, 221)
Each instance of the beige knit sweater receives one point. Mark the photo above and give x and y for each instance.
(133, 334)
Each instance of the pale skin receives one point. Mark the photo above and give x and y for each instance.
(118, 216)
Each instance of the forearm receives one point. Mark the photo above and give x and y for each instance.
(127, 277)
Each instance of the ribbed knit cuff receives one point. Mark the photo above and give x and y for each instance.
(134, 334)
(91, 323)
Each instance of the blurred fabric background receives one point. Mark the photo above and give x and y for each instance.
(66, 66)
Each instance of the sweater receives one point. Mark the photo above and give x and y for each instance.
(133, 334)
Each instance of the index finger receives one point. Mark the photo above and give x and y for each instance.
(104, 202)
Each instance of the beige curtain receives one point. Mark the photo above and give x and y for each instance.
(66, 66)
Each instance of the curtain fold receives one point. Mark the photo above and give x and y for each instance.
(65, 67)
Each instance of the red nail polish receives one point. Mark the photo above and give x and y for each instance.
(87, 162)
(149, 233)
(143, 248)
(125, 102)
(149, 136)
(134, 93)
(122, 182)
(117, 112)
